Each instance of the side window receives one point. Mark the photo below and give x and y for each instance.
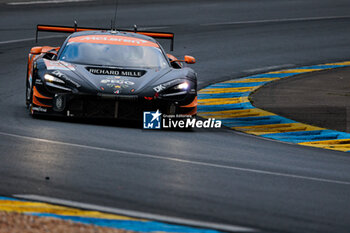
(176, 65)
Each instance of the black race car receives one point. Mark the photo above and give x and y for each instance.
(109, 74)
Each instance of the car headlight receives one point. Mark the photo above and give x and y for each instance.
(175, 90)
(52, 79)
(182, 86)
(173, 86)
(55, 83)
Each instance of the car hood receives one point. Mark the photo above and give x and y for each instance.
(107, 79)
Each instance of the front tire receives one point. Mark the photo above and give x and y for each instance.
(29, 95)
(29, 100)
(29, 90)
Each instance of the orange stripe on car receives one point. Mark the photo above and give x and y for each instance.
(61, 29)
(36, 102)
(70, 29)
(172, 57)
(36, 93)
(155, 34)
(45, 49)
(192, 104)
(111, 39)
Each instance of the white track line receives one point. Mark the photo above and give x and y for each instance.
(46, 2)
(136, 214)
(28, 39)
(277, 20)
(144, 155)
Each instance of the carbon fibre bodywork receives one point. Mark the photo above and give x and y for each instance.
(61, 88)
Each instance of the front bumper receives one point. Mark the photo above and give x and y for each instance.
(128, 107)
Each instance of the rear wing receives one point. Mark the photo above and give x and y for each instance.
(67, 29)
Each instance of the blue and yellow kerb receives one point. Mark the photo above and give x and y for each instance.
(92, 217)
(228, 101)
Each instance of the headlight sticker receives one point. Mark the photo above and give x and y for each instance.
(164, 86)
(159, 88)
(59, 74)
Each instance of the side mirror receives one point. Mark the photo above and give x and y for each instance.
(36, 50)
(189, 59)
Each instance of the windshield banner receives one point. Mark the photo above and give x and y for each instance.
(117, 72)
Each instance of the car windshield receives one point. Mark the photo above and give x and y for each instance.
(114, 55)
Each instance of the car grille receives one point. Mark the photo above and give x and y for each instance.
(132, 98)
(121, 107)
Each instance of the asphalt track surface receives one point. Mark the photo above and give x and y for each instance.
(320, 98)
(217, 176)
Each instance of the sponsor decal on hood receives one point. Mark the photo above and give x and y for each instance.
(65, 78)
(116, 81)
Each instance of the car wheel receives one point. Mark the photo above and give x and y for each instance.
(29, 100)
(29, 94)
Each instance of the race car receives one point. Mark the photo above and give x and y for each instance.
(110, 74)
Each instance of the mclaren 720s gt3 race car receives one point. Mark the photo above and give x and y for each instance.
(109, 74)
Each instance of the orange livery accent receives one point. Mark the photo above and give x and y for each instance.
(172, 57)
(189, 59)
(81, 29)
(111, 39)
(36, 50)
(64, 29)
(192, 104)
(37, 94)
(156, 34)
(36, 102)
(46, 49)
